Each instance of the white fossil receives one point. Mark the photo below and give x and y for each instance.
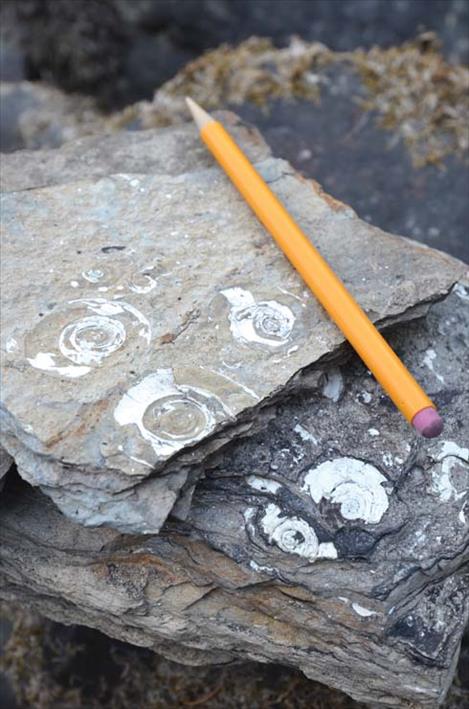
(304, 434)
(461, 291)
(265, 322)
(143, 281)
(96, 328)
(169, 415)
(353, 484)
(429, 358)
(291, 534)
(362, 611)
(294, 535)
(263, 484)
(93, 275)
(449, 456)
(333, 385)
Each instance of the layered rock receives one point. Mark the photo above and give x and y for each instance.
(154, 319)
(6, 462)
(335, 541)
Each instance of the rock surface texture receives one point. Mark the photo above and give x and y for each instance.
(6, 462)
(141, 328)
(334, 541)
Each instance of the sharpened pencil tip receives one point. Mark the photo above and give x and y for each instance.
(200, 116)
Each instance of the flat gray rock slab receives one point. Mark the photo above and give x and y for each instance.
(170, 151)
(147, 318)
(335, 541)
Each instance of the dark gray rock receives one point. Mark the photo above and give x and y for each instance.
(335, 142)
(362, 585)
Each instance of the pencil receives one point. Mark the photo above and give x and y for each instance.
(369, 344)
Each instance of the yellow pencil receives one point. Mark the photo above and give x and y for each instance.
(373, 349)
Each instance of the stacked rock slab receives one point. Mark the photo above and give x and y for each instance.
(328, 537)
(355, 572)
(150, 319)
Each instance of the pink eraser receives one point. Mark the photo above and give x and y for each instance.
(428, 422)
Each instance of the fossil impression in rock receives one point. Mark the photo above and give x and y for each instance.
(159, 318)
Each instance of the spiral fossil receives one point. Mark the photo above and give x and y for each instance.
(89, 340)
(291, 535)
(352, 484)
(76, 338)
(169, 415)
(112, 274)
(266, 323)
(143, 281)
(103, 275)
(93, 275)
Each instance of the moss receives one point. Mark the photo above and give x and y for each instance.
(419, 95)
(254, 71)
(416, 94)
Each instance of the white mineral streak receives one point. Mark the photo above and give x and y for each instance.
(263, 484)
(47, 362)
(169, 415)
(294, 535)
(450, 448)
(11, 345)
(97, 330)
(327, 550)
(388, 459)
(461, 292)
(430, 356)
(266, 323)
(333, 385)
(449, 456)
(304, 434)
(287, 292)
(249, 391)
(354, 485)
(260, 567)
(462, 516)
(363, 612)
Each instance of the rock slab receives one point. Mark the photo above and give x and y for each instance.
(134, 316)
(355, 572)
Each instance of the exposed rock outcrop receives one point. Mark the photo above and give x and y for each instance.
(335, 541)
(151, 319)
